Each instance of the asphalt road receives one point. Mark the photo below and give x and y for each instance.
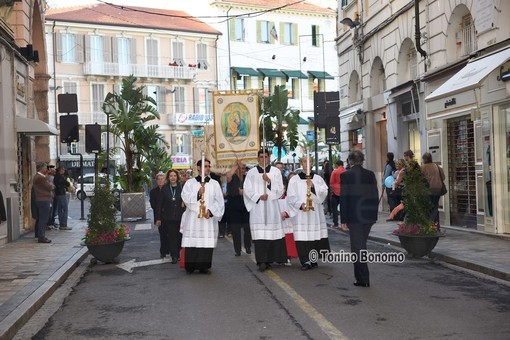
(416, 299)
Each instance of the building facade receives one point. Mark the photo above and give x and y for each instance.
(24, 129)
(430, 76)
(91, 48)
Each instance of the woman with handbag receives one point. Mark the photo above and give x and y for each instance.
(434, 175)
(397, 213)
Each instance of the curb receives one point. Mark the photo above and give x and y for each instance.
(22, 313)
(451, 260)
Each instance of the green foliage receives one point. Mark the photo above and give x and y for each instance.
(281, 122)
(417, 203)
(102, 226)
(129, 112)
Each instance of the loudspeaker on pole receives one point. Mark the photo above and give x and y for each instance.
(69, 129)
(92, 138)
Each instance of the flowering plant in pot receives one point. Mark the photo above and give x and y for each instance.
(104, 237)
(418, 233)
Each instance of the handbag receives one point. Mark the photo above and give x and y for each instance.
(443, 186)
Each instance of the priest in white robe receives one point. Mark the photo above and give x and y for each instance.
(263, 187)
(310, 229)
(200, 234)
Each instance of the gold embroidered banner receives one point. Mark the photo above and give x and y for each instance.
(236, 131)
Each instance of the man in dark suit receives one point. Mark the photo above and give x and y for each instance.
(359, 201)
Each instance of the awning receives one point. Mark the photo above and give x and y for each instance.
(471, 75)
(34, 127)
(320, 75)
(245, 71)
(400, 90)
(271, 73)
(295, 74)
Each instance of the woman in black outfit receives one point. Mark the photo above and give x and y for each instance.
(169, 212)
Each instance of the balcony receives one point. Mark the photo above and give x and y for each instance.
(139, 70)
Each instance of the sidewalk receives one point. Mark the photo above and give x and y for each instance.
(30, 272)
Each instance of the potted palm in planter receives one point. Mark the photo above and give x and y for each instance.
(104, 237)
(418, 234)
(130, 111)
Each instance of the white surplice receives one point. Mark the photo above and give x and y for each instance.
(265, 218)
(201, 232)
(308, 225)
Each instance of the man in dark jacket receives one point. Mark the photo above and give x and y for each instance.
(359, 201)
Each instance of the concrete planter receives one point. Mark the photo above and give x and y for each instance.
(418, 245)
(132, 205)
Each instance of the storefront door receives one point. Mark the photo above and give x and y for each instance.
(461, 174)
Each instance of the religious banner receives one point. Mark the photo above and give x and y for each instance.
(236, 128)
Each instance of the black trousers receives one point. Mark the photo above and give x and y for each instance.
(335, 200)
(269, 251)
(240, 224)
(304, 248)
(358, 234)
(174, 237)
(198, 258)
(164, 240)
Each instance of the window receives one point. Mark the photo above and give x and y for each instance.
(178, 52)
(267, 85)
(68, 48)
(345, 3)
(73, 147)
(202, 100)
(413, 64)
(180, 143)
(98, 95)
(152, 57)
(239, 30)
(69, 87)
(96, 48)
(315, 36)
(264, 32)
(202, 63)
(289, 33)
(179, 104)
(294, 88)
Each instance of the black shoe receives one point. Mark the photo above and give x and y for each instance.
(306, 266)
(221, 236)
(262, 267)
(237, 254)
(44, 240)
(162, 256)
(65, 228)
(174, 260)
(204, 271)
(314, 264)
(361, 284)
(189, 271)
(248, 251)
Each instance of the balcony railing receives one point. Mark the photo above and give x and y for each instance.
(139, 70)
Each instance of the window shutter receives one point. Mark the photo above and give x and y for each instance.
(232, 29)
(196, 100)
(272, 39)
(87, 48)
(282, 33)
(162, 99)
(115, 49)
(259, 32)
(58, 45)
(132, 54)
(80, 42)
(294, 34)
(107, 49)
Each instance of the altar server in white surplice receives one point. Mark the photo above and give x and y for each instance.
(262, 190)
(200, 235)
(310, 229)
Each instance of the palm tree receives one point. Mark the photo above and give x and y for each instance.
(280, 121)
(129, 111)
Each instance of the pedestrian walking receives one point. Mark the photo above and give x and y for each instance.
(238, 216)
(168, 214)
(359, 201)
(61, 189)
(205, 207)
(305, 195)
(43, 191)
(155, 198)
(434, 175)
(54, 203)
(334, 184)
(263, 187)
